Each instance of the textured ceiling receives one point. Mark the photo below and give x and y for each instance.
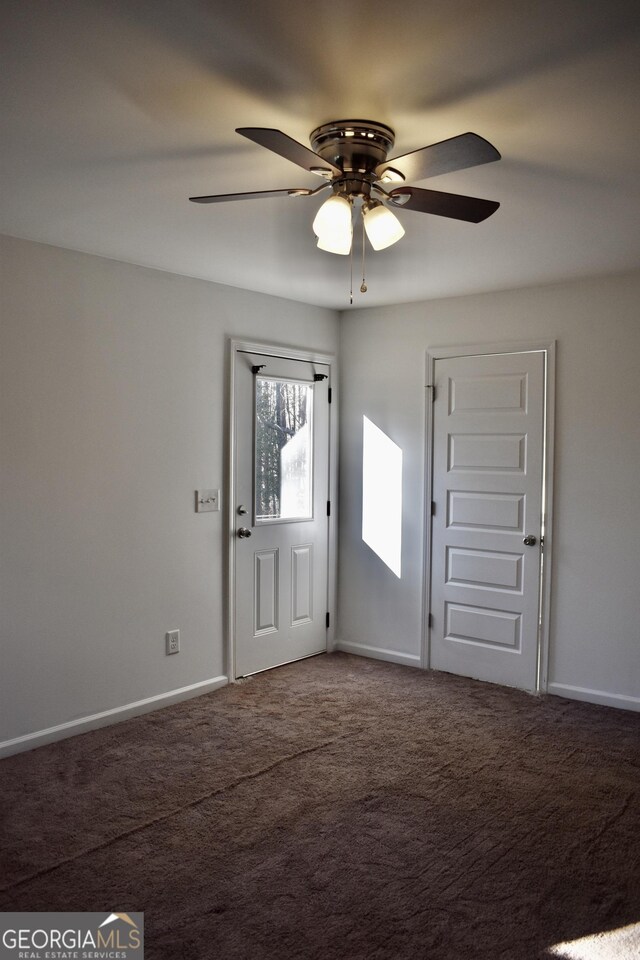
(114, 112)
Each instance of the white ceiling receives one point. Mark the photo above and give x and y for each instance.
(114, 112)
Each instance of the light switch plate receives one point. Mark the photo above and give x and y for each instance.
(207, 501)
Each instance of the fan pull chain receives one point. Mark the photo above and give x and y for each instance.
(351, 274)
(363, 285)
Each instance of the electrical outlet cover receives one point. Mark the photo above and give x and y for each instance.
(173, 641)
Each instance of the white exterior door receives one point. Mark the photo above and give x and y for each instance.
(281, 511)
(488, 428)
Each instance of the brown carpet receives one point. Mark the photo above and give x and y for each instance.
(338, 809)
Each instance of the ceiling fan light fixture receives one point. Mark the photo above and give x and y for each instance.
(333, 225)
(382, 226)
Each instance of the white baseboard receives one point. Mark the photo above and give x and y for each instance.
(376, 653)
(107, 717)
(619, 700)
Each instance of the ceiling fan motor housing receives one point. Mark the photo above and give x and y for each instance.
(357, 147)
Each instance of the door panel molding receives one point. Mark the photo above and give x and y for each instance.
(301, 583)
(548, 347)
(265, 600)
(284, 352)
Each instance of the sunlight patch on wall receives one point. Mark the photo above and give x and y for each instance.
(620, 944)
(382, 495)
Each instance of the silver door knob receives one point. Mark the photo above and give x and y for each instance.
(244, 532)
(530, 541)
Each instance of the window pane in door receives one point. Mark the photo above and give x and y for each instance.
(283, 450)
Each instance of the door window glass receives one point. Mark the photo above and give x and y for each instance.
(283, 450)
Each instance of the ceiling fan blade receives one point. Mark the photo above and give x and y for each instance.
(453, 205)
(254, 195)
(278, 142)
(457, 153)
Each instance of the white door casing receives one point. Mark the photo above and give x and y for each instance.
(279, 576)
(487, 488)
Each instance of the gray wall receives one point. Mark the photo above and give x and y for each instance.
(113, 403)
(595, 613)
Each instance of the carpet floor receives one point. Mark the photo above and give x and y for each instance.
(340, 809)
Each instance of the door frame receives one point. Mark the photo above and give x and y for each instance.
(287, 353)
(548, 347)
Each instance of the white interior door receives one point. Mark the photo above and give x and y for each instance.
(281, 531)
(488, 423)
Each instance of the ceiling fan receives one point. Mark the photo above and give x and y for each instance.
(351, 156)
